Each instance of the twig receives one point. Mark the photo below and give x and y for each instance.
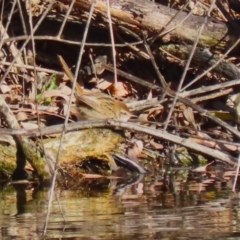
(175, 139)
(212, 95)
(27, 40)
(112, 42)
(213, 66)
(67, 116)
(78, 43)
(31, 154)
(187, 65)
(210, 88)
(39, 69)
(131, 127)
(156, 68)
(165, 31)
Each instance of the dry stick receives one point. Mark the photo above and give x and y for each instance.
(67, 116)
(70, 75)
(156, 68)
(213, 66)
(131, 127)
(34, 70)
(26, 22)
(20, 4)
(187, 66)
(57, 39)
(210, 88)
(31, 154)
(172, 94)
(236, 175)
(165, 31)
(55, 129)
(85, 125)
(39, 69)
(238, 166)
(131, 45)
(12, 48)
(4, 30)
(224, 145)
(212, 95)
(150, 55)
(63, 132)
(32, 47)
(65, 19)
(27, 40)
(175, 139)
(112, 42)
(2, 8)
(62, 136)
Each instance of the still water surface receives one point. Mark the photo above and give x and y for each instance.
(144, 210)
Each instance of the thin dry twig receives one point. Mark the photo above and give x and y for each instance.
(66, 120)
(187, 65)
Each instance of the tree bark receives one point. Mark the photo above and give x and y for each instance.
(151, 17)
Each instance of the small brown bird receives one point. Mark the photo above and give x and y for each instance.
(96, 105)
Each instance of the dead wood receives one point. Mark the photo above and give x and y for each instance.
(129, 126)
(205, 59)
(26, 149)
(153, 18)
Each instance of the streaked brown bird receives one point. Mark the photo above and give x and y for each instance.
(96, 105)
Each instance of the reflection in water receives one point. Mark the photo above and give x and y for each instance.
(139, 210)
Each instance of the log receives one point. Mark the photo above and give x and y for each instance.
(152, 18)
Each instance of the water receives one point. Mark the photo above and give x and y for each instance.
(148, 209)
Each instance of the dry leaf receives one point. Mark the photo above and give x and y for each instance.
(104, 84)
(88, 175)
(150, 95)
(143, 117)
(21, 116)
(35, 2)
(135, 150)
(5, 88)
(65, 89)
(29, 125)
(155, 145)
(55, 93)
(155, 111)
(120, 89)
(230, 174)
(188, 114)
(202, 169)
(214, 145)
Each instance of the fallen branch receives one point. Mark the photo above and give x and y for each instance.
(132, 127)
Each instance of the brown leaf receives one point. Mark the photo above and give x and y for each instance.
(5, 88)
(104, 84)
(55, 93)
(188, 114)
(88, 175)
(29, 125)
(214, 145)
(65, 89)
(155, 145)
(202, 169)
(21, 116)
(150, 95)
(135, 150)
(120, 89)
